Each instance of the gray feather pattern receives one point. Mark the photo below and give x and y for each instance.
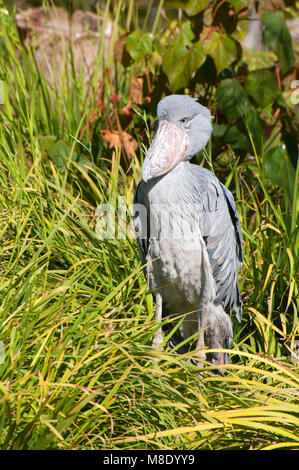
(221, 231)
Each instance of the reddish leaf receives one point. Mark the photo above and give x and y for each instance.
(114, 140)
(114, 99)
(127, 110)
(136, 88)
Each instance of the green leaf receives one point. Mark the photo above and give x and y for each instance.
(258, 59)
(238, 4)
(184, 67)
(231, 99)
(262, 86)
(194, 7)
(219, 130)
(255, 125)
(47, 142)
(237, 140)
(222, 48)
(139, 45)
(172, 57)
(279, 169)
(277, 37)
(186, 35)
(179, 47)
(60, 152)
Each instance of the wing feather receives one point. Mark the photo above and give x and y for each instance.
(141, 222)
(223, 237)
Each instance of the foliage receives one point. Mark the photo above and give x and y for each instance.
(78, 371)
(204, 54)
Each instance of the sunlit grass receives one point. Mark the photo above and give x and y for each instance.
(76, 317)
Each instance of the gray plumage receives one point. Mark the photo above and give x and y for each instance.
(188, 230)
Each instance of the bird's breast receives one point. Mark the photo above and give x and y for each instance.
(178, 263)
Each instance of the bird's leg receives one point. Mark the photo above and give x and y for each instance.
(200, 355)
(158, 338)
(200, 345)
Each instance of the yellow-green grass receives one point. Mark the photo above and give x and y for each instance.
(77, 368)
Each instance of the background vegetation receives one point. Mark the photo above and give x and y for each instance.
(77, 369)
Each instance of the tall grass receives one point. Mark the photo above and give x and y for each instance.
(78, 370)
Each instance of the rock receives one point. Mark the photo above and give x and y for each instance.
(50, 31)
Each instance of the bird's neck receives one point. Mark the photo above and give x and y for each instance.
(169, 187)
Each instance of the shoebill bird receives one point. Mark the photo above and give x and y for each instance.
(188, 232)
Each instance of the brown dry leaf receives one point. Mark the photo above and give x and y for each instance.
(270, 5)
(126, 110)
(113, 139)
(120, 52)
(136, 88)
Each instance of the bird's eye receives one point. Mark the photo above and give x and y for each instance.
(184, 120)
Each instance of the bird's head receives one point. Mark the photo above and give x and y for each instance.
(184, 129)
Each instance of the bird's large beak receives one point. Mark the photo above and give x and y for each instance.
(166, 151)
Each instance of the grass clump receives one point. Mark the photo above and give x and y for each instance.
(77, 368)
